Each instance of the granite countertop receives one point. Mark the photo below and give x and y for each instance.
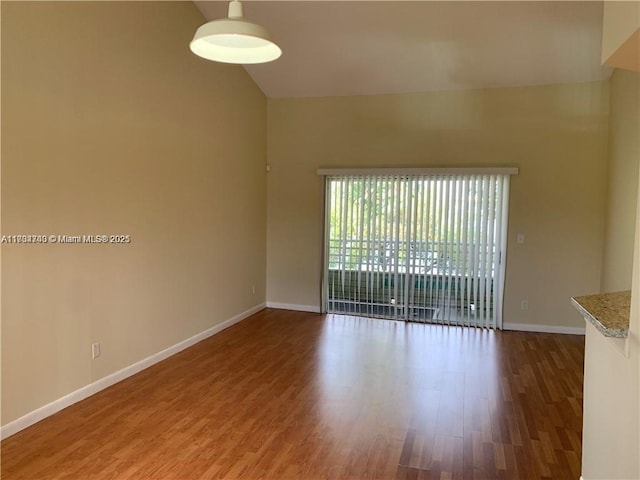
(608, 312)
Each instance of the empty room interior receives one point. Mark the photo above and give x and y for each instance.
(320, 240)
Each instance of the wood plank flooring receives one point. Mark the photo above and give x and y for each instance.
(290, 395)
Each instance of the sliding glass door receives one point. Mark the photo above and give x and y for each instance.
(423, 248)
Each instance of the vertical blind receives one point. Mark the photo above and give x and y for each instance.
(424, 248)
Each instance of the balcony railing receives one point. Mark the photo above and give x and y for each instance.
(415, 256)
(415, 280)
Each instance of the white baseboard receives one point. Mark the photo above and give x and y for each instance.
(529, 327)
(291, 306)
(105, 382)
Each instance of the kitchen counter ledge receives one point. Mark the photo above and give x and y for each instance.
(608, 312)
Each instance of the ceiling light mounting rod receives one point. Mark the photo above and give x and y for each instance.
(234, 40)
(235, 9)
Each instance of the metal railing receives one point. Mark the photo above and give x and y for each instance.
(413, 256)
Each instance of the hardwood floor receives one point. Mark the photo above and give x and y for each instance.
(290, 395)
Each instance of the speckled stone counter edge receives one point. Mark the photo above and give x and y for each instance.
(606, 331)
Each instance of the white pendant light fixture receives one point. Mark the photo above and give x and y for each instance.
(234, 40)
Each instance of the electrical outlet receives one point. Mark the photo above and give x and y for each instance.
(95, 350)
(524, 305)
(253, 289)
(520, 238)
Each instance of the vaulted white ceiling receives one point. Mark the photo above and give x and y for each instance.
(363, 47)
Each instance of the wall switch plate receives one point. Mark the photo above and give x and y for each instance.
(95, 350)
(520, 238)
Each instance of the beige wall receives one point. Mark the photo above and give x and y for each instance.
(110, 125)
(624, 151)
(611, 435)
(556, 135)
